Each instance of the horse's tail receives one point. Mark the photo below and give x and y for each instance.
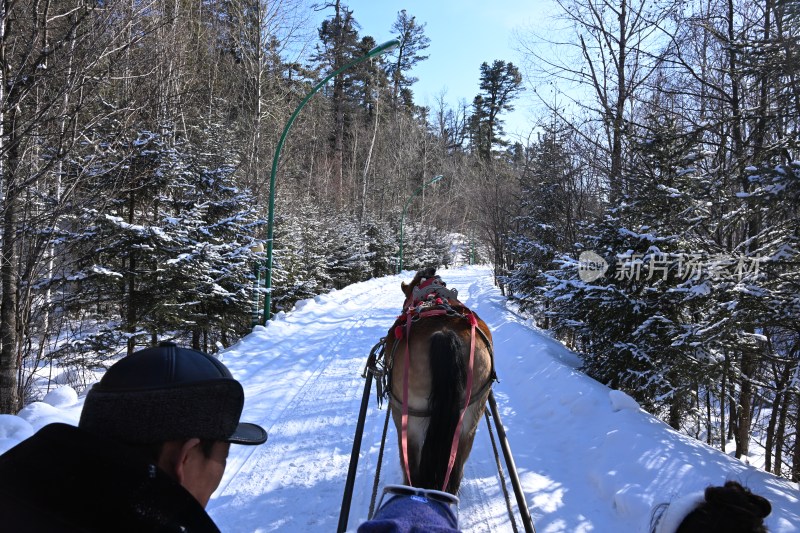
(448, 383)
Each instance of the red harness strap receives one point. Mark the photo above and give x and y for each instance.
(404, 418)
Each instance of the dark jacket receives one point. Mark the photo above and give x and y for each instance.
(64, 479)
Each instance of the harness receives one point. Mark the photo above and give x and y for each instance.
(430, 298)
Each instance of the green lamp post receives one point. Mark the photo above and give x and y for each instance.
(380, 49)
(403, 218)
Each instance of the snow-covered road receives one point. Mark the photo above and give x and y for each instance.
(588, 458)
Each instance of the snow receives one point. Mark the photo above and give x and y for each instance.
(61, 397)
(97, 269)
(589, 459)
(620, 401)
(13, 429)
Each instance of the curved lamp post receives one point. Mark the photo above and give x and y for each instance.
(402, 219)
(380, 49)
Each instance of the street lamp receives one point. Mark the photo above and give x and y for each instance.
(402, 219)
(257, 249)
(380, 49)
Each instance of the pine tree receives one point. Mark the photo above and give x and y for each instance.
(548, 224)
(207, 268)
(413, 42)
(300, 268)
(500, 83)
(338, 46)
(638, 322)
(424, 247)
(348, 258)
(381, 248)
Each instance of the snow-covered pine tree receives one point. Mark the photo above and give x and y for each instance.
(348, 257)
(299, 255)
(635, 323)
(767, 295)
(381, 245)
(112, 269)
(205, 268)
(165, 251)
(423, 246)
(548, 222)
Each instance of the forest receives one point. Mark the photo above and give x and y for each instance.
(650, 221)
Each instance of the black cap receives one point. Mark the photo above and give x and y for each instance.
(168, 393)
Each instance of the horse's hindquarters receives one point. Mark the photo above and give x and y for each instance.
(437, 358)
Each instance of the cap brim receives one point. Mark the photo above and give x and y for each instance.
(247, 433)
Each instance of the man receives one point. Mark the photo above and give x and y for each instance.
(148, 452)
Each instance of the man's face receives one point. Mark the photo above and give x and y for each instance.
(202, 474)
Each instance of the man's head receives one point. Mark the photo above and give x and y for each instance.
(184, 402)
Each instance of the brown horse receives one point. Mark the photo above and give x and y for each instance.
(432, 378)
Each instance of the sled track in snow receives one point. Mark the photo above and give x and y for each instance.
(289, 467)
(483, 506)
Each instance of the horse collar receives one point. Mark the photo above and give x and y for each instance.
(431, 290)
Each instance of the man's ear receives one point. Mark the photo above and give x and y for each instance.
(174, 457)
(184, 456)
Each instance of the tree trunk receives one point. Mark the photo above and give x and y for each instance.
(773, 420)
(675, 412)
(9, 393)
(722, 398)
(781, 381)
(796, 454)
(338, 113)
(9, 359)
(196, 338)
(364, 180)
(745, 407)
(779, 436)
(615, 175)
(130, 287)
(709, 426)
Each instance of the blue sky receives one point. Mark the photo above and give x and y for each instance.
(463, 34)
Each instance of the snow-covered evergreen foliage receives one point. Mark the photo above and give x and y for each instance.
(638, 322)
(424, 246)
(381, 248)
(547, 226)
(169, 252)
(300, 256)
(316, 252)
